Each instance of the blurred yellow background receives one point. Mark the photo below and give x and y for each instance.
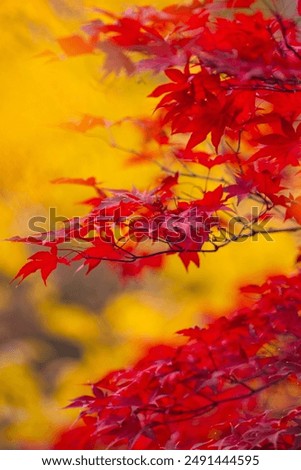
(55, 339)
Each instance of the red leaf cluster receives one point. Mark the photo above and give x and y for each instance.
(227, 126)
(230, 37)
(213, 391)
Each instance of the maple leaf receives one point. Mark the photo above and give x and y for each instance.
(99, 251)
(285, 147)
(76, 45)
(189, 257)
(165, 189)
(152, 129)
(86, 123)
(205, 159)
(116, 60)
(135, 268)
(212, 200)
(44, 261)
(293, 210)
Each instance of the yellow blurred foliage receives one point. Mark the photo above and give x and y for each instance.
(36, 97)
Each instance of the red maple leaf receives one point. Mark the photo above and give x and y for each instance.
(293, 210)
(44, 261)
(188, 257)
(285, 147)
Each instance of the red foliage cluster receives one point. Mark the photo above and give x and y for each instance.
(235, 93)
(219, 34)
(231, 104)
(213, 391)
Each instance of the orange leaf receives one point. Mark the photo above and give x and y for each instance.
(75, 45)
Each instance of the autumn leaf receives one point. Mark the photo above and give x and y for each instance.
(81, 181)
(86, 123)
(75, 45)
(44, 261)
(293, 211)
(189, 257)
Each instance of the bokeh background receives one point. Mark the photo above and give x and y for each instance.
(56, 339)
